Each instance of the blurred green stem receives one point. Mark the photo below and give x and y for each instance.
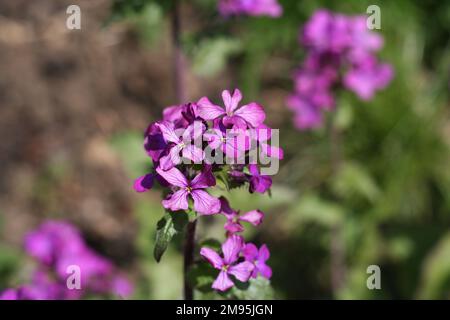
(337, 248)
(189, 245)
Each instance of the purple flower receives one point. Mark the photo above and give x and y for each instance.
(183, 144)
(269, 8)
(228, 265)
(204, 203)
(144, 183)
(368, 77)
(258, 183)
(57, 245)
(340, 51)
(251, 114)
(233, 224)
(231, 142)
(258, 258)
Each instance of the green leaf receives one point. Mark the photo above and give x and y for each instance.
(171, 224)
(354, 180)
(211, 55)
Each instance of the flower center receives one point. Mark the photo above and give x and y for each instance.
(189, 189)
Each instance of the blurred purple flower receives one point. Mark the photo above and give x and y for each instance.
(56, 245)
(269, 8)
(336, 45)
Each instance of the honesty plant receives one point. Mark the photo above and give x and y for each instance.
(341, 52)
(194, 146)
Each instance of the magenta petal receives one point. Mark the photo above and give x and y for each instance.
(168, 131)
(213, 257)
(242, 271)
(250, 252)
(204, 203)
(225, 207)
(144, 183)
(265, 270)
(253, 113)
(271, 151)
(174, 177)
(176, 201)
(231, 102)
(193, 153)
(222, 282)
(231, 249)
(207, 110)
(233, 227)
(204, 179)
(264, 253)
(255, 217)
(194, 131)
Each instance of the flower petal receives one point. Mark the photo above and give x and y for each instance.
(204, 179)
(208, 111)
(265, 270)
(168, 131)
(242, 271)
(253, 113)
(255, 217)
(222, 282)
(193, 153)
(231, 248)
(204, 203)
(173, 176)
(225, 207)
(264, 253)
(233, 227)
(213, 257)
(172, 159)
(250, 252)
(231, 102)
(176, 201)
(144, 183)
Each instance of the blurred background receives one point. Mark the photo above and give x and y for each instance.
(74, 105)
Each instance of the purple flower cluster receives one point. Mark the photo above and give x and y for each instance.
(340, 52)
(56, 245)
(184, 146)
(269, 8)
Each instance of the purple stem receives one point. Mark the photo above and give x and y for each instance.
(189, 246)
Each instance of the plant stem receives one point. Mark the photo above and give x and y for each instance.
(189, 246)
(177, 55)
(180, 94)
(337, 247)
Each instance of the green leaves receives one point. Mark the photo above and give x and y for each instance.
(211, 55)
(166, 228)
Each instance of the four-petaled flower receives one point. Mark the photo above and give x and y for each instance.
(234, 219)
(258, 258)
(182, 144)
(204, 203)
(228, 265)
(251, 114)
